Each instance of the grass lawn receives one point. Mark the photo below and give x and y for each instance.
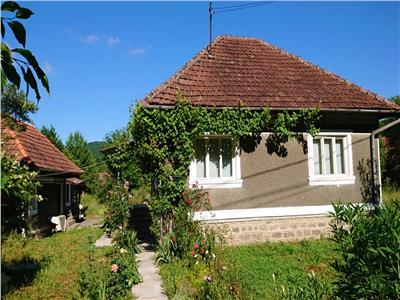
(290, 262)
(55, 264)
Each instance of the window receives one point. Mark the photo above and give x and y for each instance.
(330, 159)
(216, 163)
(68, 195)
(33, 208)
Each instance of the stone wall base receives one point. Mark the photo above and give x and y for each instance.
(246, 231)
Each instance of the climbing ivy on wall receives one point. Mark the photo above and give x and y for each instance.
(163, 140)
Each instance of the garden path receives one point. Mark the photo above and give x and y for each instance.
(151, 286)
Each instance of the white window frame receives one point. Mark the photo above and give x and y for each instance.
(332, 179)
(234, 181)
(68, 198)
(33, 209)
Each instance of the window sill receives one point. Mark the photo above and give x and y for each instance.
(332, 180)
(220, 183)
(32, 213)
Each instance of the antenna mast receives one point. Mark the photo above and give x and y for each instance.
(210, 10)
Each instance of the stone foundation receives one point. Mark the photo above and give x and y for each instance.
(246, 231)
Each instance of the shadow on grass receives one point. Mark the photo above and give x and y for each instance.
(20, 273)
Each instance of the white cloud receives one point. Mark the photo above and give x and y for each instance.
(48, 68)
(112, 41)
(137, 51)
(91, 39)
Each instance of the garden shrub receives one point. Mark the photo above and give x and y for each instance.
(110, 278)
(199, 251)
(117, 206)
(127, 239)
(368, 244)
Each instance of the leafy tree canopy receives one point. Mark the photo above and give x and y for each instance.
(51, 133)
(15, 106)
(19, 58)
(77, 149)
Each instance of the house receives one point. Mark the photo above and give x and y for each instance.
(59, 177)
(258, 196)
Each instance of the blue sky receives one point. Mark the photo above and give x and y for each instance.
(101, 57)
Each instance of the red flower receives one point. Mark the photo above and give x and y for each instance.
(189, 202)
(193, 253)
(196, 246)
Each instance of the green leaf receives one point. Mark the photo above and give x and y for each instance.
(3, 78)
(33, 62)
(19, 31)
(5, 54)
(30, 58)
(3, 31)
(11, 73)
(24, 13)
(9, 6)
(27, 84)
(44, 81)
(32, 82)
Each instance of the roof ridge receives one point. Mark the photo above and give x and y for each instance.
(181, 71)
(323, 70)
(54, 146)
(34, 132)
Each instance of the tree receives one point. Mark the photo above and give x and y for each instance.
(121, 161)
(51, 133)
(77, 149)
(19, 58)
(15, 106)
(390, 150)
(18, 191)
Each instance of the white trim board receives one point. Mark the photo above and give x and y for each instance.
(250, 213)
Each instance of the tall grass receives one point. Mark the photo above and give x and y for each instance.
(390, 194)
(95, 208)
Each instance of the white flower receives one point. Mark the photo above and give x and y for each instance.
(206, 251)
(213, 255)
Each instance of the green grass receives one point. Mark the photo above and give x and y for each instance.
(56, 260)
(289, 262)
(390, 193)
(95, 209)
(255, 265)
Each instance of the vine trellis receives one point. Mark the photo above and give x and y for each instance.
(162, 140)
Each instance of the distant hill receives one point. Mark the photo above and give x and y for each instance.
(95, 148)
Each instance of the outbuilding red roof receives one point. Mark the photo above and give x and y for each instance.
(261, 75)
(32, 147)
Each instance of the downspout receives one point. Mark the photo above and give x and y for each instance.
(375, 195)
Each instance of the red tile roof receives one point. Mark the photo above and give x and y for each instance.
(261, 75)
(31, 146)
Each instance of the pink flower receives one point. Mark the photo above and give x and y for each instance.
(207, 278)
(193, 253)
(114, 268)
(196, 246)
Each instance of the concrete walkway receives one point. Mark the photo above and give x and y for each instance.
(151, 286)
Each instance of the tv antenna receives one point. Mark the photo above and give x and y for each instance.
(211, 12)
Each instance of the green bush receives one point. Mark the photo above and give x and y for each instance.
(368, 243)
(117, 206)
(127, 239)
(196, 254)
(109, 279)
